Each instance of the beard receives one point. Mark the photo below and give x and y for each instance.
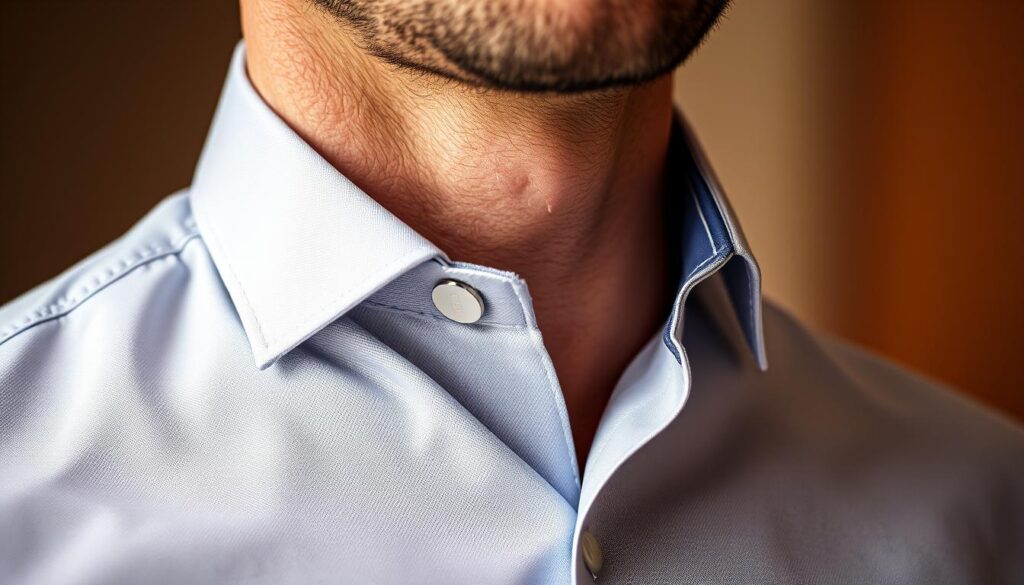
(557, 46)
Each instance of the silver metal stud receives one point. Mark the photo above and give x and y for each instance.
(458, 301)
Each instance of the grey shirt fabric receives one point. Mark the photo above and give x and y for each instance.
(253, 385)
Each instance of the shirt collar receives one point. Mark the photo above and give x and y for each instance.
(713, 244)
(261, 196)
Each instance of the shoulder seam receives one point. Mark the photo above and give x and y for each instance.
(100, 279)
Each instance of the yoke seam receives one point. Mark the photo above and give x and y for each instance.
(137, 258)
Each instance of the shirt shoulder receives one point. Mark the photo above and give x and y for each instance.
(913, 448)
(885, 400)
(164, 231)
(925, 406)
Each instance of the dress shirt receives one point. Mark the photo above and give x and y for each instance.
(256, 384)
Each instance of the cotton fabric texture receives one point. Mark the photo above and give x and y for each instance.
(253, 386)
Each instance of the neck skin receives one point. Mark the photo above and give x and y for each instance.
(563, 190)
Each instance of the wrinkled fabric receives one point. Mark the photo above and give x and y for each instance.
(253, 386)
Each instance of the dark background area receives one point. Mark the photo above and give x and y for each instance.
(103, 111)
(873, 150)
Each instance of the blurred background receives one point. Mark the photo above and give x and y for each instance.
(874, 152)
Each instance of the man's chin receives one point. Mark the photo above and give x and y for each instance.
(489, 44)
(535, 79)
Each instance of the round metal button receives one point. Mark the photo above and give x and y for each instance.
(591, 551)
(458, 301)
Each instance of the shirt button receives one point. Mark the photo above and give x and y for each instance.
(592, 556)
(458, 301)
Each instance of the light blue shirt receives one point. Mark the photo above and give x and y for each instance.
(253, 385)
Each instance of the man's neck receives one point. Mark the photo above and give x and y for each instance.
(563, 190)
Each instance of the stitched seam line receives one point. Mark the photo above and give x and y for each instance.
(554, 387)
(703, 220)
(140, 257)
(476, 271)
(699, 266)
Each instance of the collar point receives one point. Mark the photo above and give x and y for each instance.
(264, 356)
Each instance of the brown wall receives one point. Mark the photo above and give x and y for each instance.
(946, 176)
(103, 110)
(874, 151)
